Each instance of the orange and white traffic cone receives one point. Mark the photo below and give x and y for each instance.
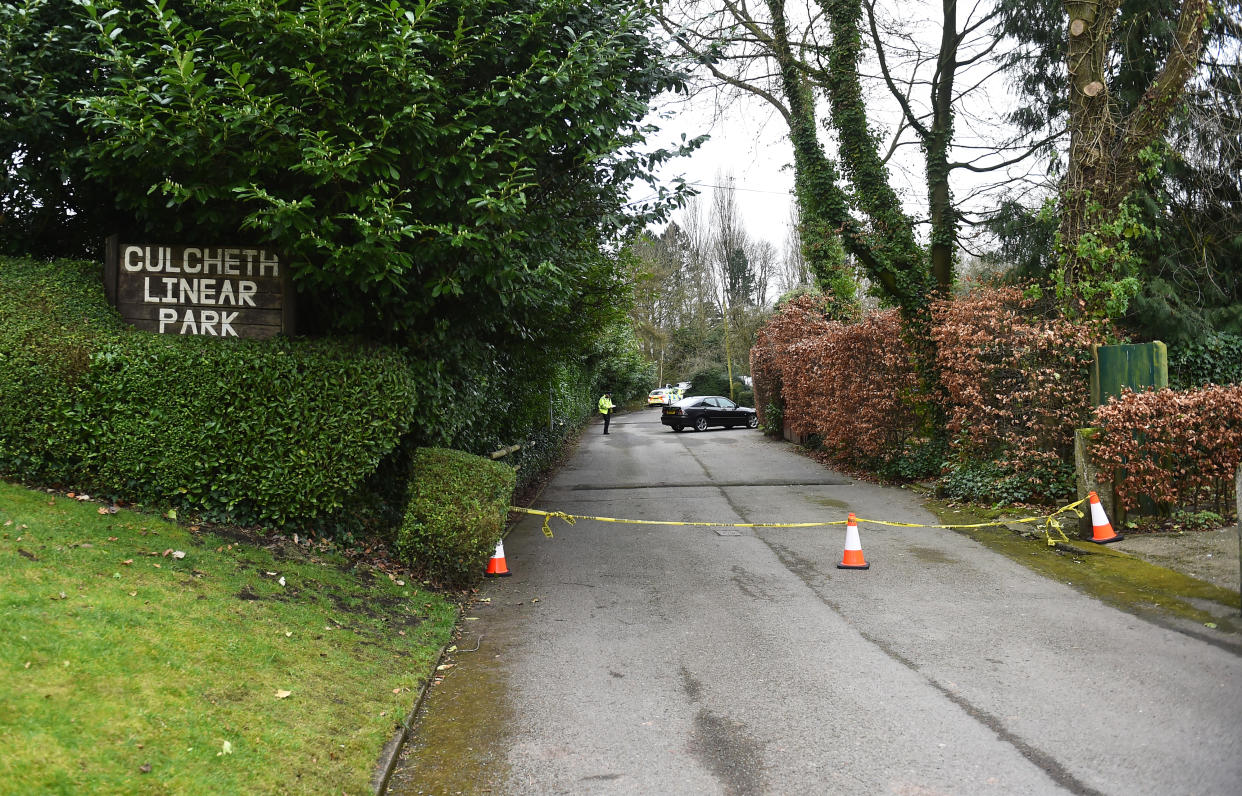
(1101, 529)
(853, 557)
(496, 567)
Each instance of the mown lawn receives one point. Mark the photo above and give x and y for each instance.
(127, 669)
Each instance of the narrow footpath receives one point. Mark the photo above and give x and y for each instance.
(635, 659)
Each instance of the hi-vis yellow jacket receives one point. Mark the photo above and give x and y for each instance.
(605, 404)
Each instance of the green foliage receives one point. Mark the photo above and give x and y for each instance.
(279, 432)
(915, 459)
(443, 168)
(456, 514)
(444, 175)
(1198, 520)
(55, 316)
(712, 380)
(270, 432)
(1217, 359)
(619, 365)
(47, 206)
(1025, 241)
(773, 420)
(1107, 262)
(983, 482)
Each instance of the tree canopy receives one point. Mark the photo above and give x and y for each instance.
(431, 168)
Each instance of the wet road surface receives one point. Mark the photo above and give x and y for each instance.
(630, 659)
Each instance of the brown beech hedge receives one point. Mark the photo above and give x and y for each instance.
(1179, 447)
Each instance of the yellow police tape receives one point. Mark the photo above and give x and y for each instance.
(1049, 521)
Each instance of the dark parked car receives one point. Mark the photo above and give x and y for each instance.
(702, 411)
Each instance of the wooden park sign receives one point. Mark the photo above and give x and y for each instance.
(222, 291)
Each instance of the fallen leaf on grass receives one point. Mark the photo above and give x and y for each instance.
(107, 509)
(225, 749)
(127, 562)
(145, 768)
(178, 554)
(444, 666)
(283, 694)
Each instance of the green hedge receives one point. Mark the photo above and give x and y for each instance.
(54, 316)
(277, 432)
(456, 513)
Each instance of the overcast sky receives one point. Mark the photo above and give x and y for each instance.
(748, 142)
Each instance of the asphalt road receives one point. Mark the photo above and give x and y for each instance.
(632, 659)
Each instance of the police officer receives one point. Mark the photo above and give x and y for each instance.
(605, 408)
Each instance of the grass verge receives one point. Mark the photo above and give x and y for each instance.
(128, 669)
(1121, 580)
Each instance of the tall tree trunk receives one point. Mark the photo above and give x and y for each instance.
(1105, 147)
(822, 205)
(896, 258)
(943, 249)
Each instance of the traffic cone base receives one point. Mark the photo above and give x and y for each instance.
(852, 558)
(496, 567)
(1101, 529)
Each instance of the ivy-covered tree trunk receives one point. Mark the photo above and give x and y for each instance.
(890, 251)
(1107, 149)
(822, 205)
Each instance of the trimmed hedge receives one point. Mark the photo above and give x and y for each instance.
(456, 514)
(1014, 377)
(1179, 447)
(274, 431)
(277, 432)
(54, 317)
